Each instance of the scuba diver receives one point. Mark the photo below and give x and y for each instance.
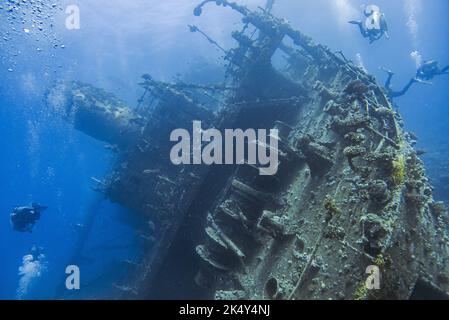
(429, 69)
(23, 219)
(375, 26)
(394, 94)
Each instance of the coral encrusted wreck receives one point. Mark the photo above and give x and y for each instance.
(350, 191)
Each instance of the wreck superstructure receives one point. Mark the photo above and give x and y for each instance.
(350, 191)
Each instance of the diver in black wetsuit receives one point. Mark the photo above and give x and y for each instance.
(23, 219)
(373, 34)
(394, 94)
(429, 70)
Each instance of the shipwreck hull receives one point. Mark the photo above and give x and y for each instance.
(350, 191)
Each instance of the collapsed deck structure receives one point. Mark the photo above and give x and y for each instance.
(350, 191)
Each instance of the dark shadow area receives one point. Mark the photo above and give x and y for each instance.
(425, 291)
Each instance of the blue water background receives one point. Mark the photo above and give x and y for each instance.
(43, 159)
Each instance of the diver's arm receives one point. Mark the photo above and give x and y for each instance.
(423, 81)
